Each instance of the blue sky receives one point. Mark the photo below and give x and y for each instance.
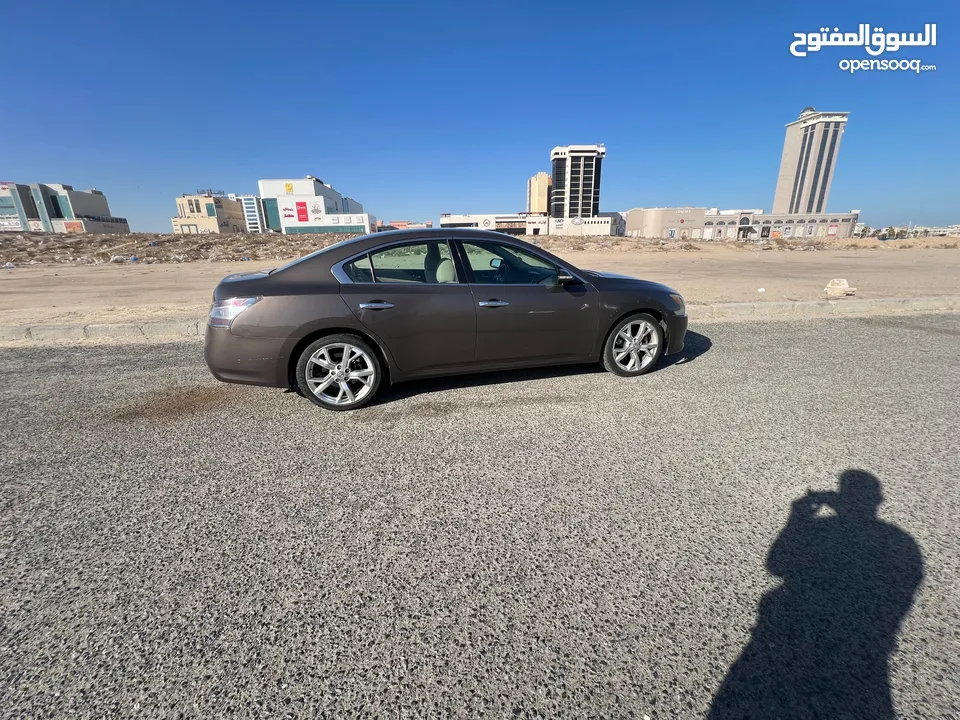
(418, 109)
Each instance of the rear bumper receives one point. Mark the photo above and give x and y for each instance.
(676, 330)
(251, 361)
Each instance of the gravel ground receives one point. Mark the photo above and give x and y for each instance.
(559, 543)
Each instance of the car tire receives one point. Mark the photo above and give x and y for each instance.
(322, 377)
(633, 357)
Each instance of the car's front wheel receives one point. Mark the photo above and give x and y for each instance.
(339, 372)
(634, 345)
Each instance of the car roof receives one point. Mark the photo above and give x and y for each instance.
(333, 254)
(446, 232)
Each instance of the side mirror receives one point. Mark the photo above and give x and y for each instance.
(565, 278)
(495, 263)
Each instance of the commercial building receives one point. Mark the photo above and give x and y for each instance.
(252, 212)
(403, 225)
(538, 193)
(537, 224)
(576, 181)
(510, 223)
(208, 212)
(309, 205)
(698, 223)
(808, 162)
(54, 207)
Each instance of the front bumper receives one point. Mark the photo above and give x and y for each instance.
(676, 330)
(251, 361)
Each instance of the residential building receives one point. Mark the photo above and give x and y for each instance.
(808, 162)
(309, 205)
(536, 224)
(53, 207)
(538, 193)
(575, 190)
(208, 213)
(698, 223)
(252, 211)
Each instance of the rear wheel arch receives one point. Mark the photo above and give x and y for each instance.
(309, 338)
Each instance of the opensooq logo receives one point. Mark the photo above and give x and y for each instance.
(875, 42)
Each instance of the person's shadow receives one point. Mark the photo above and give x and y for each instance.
(822, 642)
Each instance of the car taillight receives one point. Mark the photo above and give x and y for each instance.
(223, 312)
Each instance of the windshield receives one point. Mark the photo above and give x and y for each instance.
(315, 253)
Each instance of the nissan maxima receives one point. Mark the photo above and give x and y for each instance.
(342, 323)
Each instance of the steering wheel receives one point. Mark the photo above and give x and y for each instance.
(503, 273)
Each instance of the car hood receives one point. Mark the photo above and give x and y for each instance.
(609, 279)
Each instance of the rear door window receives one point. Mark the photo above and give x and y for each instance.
(425, 263)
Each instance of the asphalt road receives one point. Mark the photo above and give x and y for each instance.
(537, 544)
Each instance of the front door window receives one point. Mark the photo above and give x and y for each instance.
(493, 263)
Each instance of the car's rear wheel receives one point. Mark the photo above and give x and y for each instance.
(339, 372)
(634, 346)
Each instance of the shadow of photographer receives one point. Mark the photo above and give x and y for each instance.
(823, 639)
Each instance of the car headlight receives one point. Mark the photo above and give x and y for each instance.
(682, 308)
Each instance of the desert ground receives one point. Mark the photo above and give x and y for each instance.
(707, 273)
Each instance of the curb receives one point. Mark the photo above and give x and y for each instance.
(185, 328)
(717, 311)
(822, 308)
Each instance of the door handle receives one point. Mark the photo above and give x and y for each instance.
(493, 303)
(376, 305)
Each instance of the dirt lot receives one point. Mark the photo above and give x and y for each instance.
(23, 249)
(704, 273)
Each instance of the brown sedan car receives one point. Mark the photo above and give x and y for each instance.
(341, 323)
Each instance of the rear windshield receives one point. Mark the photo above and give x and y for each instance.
(317, 252)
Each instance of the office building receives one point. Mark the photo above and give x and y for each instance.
(53, 207)
(208, 212)
(309, 205)
(698, 223)
(538, 193)
(808, 162)
(575, 188)
(252, 211)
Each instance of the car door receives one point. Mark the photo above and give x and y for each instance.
(410, 296)
(523, 313)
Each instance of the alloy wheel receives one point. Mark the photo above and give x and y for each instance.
(340, 374)
(635, 346)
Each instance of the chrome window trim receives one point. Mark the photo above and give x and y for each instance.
(340, 274)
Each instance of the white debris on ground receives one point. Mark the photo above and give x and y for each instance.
(839, 287)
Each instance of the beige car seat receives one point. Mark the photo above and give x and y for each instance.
(446, 272)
